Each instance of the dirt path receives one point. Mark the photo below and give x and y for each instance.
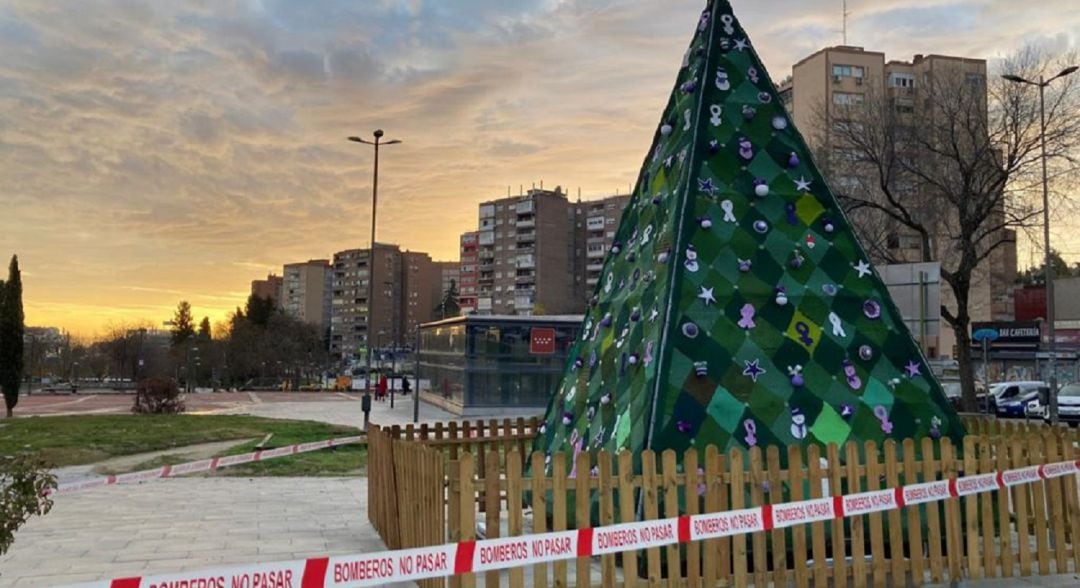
(127, 463)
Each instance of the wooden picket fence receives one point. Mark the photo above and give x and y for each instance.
(1032, 529)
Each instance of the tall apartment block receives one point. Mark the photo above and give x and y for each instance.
(406, 293)
(449, 271)
(822, 92)
(595, 222)
(525, 255)
(268, 288)
(420, 291)
(349, 328)
(537, 253)
(307, 291)
(468, 282)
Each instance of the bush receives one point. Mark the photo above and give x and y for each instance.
(158, 396)
(25, 484)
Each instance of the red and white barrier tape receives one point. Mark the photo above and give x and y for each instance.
(205, 465)
(377, 569)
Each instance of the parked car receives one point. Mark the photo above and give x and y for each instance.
(1010, 399)
(1068, 405)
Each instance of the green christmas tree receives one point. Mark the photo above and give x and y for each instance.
(736, 307)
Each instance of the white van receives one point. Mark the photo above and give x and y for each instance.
(1010, 399)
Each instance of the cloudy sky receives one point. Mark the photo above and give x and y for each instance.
(157, 151)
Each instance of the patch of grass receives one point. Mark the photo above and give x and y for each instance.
(83, 439)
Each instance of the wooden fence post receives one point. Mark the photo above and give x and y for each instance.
(858, 538)
(896, 526)
(627, 513)
(970, 510)
(914, 522)
(539, 506)
(817, 530)
(836, 472)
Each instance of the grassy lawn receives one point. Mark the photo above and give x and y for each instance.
(84, 439)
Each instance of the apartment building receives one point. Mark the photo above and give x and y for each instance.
(407, 290)
(268, 288)
(349, 327)
(307, 291)
(595, 223)
(449, 272)
(468, 276)
(420, 287)
(525, 255)
(537, 253)
(821, 94)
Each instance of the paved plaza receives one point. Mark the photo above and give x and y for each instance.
(189, 524)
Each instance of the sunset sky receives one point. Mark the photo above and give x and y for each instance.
(158, 151)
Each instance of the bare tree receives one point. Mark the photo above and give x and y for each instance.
(951, 163)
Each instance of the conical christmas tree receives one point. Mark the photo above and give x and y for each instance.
(736, 307)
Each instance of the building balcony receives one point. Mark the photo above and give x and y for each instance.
(526, 207)
(526, 223)
(525, 280)
(526, 236)
(595, 224)
(595, 267)
(592, 281)
(525, 262)
(595, 254)
(487, 238)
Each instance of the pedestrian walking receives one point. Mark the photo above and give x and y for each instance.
(405, 386)
(382, 388)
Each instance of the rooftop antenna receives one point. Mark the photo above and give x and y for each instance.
(846, 14)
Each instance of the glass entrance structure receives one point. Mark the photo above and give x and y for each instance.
(494, 364)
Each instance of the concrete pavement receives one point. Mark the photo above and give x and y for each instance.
(189, 524)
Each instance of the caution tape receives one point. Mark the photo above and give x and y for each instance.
(205, 465)
(377, 569)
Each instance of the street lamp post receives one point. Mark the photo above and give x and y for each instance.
(1049, 268)
(371, 255)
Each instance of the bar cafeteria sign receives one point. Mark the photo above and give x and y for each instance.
(1014, 335)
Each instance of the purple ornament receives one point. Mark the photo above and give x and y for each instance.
(606, 321)
(705, 222)
(748, 112)
(746, 149)
(761, 227)
(793, 160)
(567, 418)
(761, 189)
(635, 316)
(866, 353)
(714, 147)
(616, 247)
(871, 309)
(606, 398)
(690, 330)
(684, 427)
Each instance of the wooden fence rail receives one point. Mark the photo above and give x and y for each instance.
(1032, 529)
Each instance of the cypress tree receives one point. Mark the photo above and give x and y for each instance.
(12, 328)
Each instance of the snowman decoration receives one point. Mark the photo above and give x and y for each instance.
(798, 423)
(722, 81)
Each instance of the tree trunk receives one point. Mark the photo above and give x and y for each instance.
(10, 413)
(967, 375)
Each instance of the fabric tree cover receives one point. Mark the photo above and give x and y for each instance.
(736, 307)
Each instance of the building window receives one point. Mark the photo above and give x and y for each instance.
(901, 80)
(848, 71)
(847, 99)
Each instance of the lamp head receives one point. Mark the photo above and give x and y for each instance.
(1015, 78)
(378, 133)
(1068, 71)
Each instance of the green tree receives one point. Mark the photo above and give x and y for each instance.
(204, 329)
(259, 310)
(25, 485)
(183, 325)
(449, 306)
(12, 329)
